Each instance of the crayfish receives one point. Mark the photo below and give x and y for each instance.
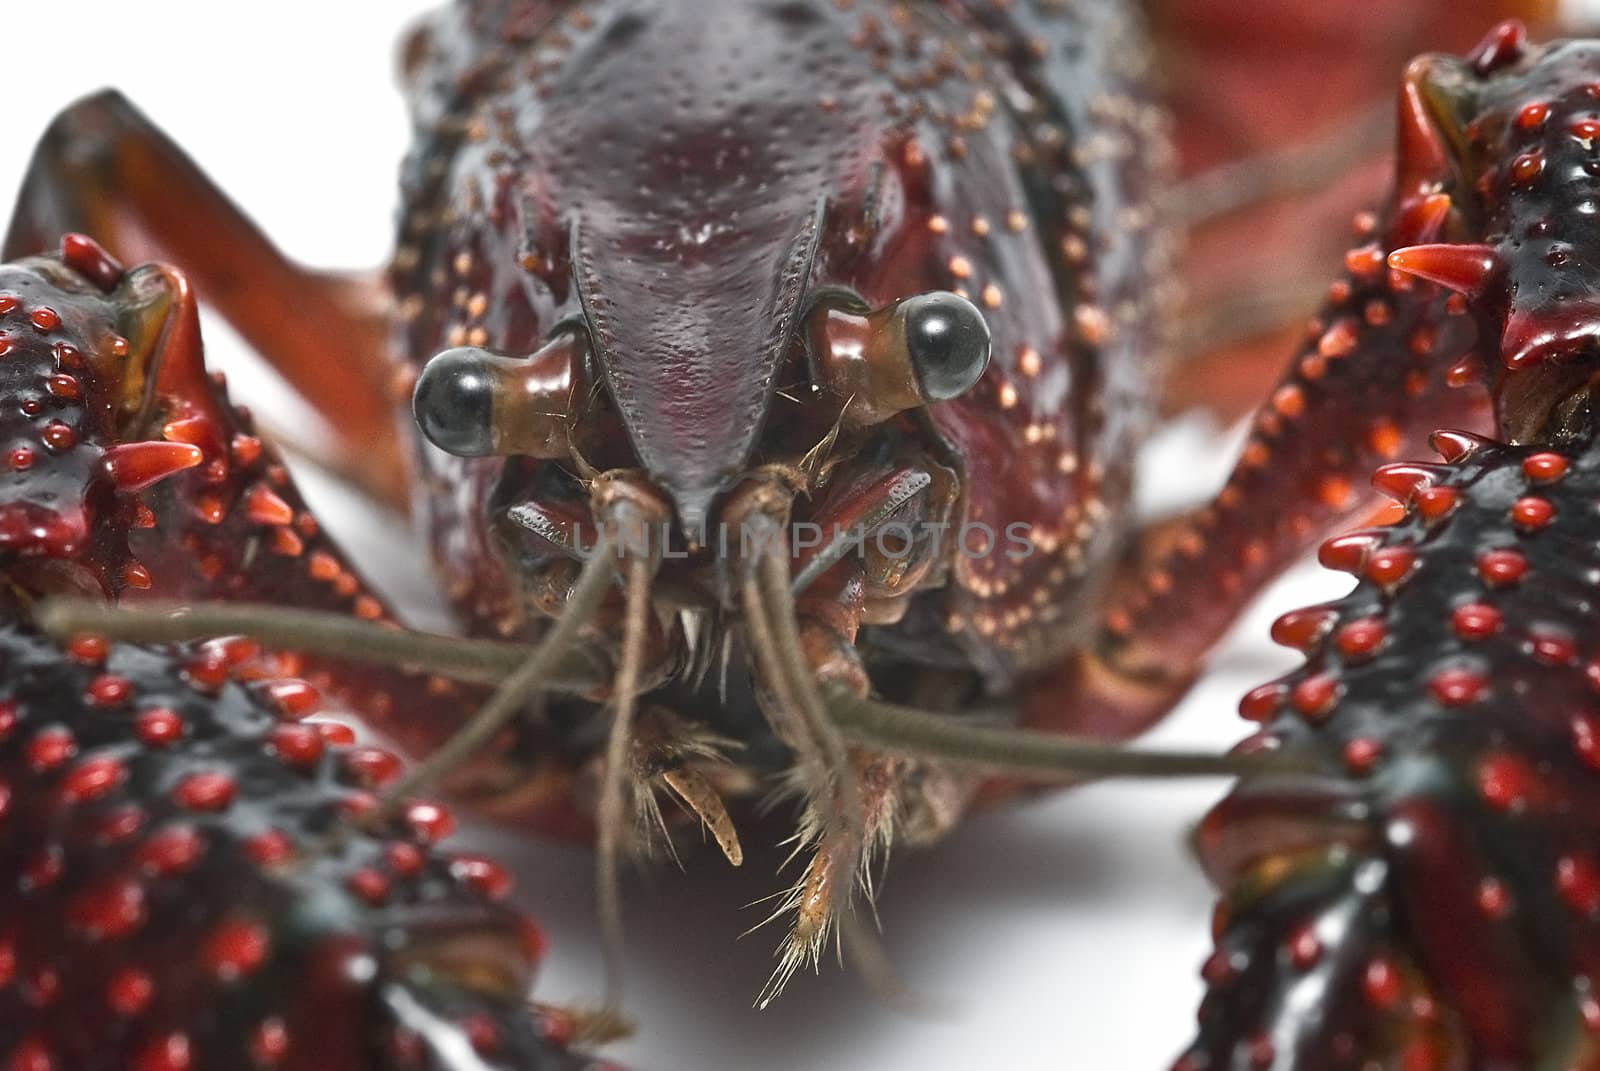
(774, 438)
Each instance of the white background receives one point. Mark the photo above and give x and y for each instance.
(1065, 934)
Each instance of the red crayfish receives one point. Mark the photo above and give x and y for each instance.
(782, 435)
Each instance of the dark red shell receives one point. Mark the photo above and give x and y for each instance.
(192, 883)
(195, 877)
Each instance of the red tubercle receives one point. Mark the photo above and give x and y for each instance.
(92, 779)
(336, 733)
(1545, 467)
(108, 911)
(429, 822)
(1532, 116)
(90, 259)
(1578, 882)
(1532, 513)
(270, 1042)
(171, 851)
(1526, 167)
(287, 543)
(58, 436)
(1475, 621)
(158, 726)
(1348, 553)
(1364, 262)
(1552, 646)
(295, 699)
(403, 859)
(1301, 629)
(1500, 47)
(1503, 567)
(1388, 566)
(199, 431)
(1436, 503)
(45, 318)
(62, 385)
(129, 992)
(372, 767)
(263, 506)
(1585, 730)
(271, 848)
(370, 885)
(1315, 696)
(298, 745)
(1304, 948)
(482, 874)
(1402, 480)
(235, 948)
(1505, 782)
(107, 690)
(1421, 221)
(1361, 638)
(88, 649)
(1457, 686)
(1381, 983)
(173, 1052)
(1362, 754)
(50, 748)
(1456, 446)
(32, 1054)
(206, 791)
(1494, 899)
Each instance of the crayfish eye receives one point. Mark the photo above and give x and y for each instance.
(454, 402)
(474, 403)
(920, 350)
(948, 342)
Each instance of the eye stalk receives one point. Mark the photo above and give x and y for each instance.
(471, 402)
(923, 349)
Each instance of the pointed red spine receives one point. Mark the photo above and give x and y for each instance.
(1456, 446)
(1502, 45)
(1466, 268)
(133, 467)
(89, 258)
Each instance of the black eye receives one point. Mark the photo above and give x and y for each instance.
(948, 342)
(454, 402)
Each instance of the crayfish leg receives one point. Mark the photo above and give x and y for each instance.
(1381, 366)
(105, 169)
